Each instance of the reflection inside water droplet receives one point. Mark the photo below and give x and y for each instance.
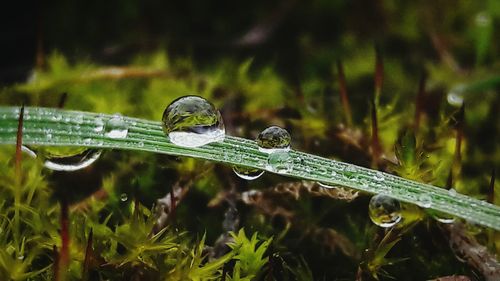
(247, 173)
(424, 201)
(192, 121)
(116, 127)
(71, 163)
(279, 162)
(384, 211)
(273, 139)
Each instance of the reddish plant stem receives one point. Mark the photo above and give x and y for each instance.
(19, 143)
(419, 103)
(491, 192)
(88, 256)
(343, 94)
(65, 241)
(376, 148)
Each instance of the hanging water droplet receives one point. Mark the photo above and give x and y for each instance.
(192, 121)
(442, 217)
(116, 127)
(71, 162)
(326, 185)
(384, 211)
(28, 151)
(273, 139)
(424, 201)
(20, 257)
(279, 162)
(247, 173)
(123, 197)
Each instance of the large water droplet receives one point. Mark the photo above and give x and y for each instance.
(247, 173)
(384, 211)
(192, 121)
(280, 162)
(116, 127)
(273, 139)
(424, 201)
(71, 162)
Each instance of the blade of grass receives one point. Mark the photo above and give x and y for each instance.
(72, 128)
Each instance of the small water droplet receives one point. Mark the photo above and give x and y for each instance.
(279, 162)
(247, 173)
(483, 19)
(424, 201)
(379, 176)
(326, 185)
(455, 96)
(99, 125)
(20, 257)
(384, 211)
(272, 139)
(192, 121)
(73, 162)
(123, 197)
(140, 144)
(116, 127)
(452, 192)
(442, 217)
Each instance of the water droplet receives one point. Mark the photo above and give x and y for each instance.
(279, 162)
(140, 144)
(116, 127)
(20, 257)
(99, 125)
(442, 217)
(272, 139)
(247, 173)
(69, 163)
(192, 121)
(379, 176)
(28, 151)
(455, 96)
(424, 201)
(326, 185)
(452, 192)
(483, 19)
(384, 211)
(123, 197)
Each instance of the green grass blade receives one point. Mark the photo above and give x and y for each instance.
(47, 126)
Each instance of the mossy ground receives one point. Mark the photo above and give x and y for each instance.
(292, 230)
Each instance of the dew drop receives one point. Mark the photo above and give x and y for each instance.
(326, 185)
(424, 201)
(273, 139)
(247, 173)
(384, 211)
(379, 176)
(123, 197)
(116, 127)
(279, 162)
(20, 257)
(71, 162)
(98, 125)
(455, 96)
(452, 192)
(192, 121)
(442, 217)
